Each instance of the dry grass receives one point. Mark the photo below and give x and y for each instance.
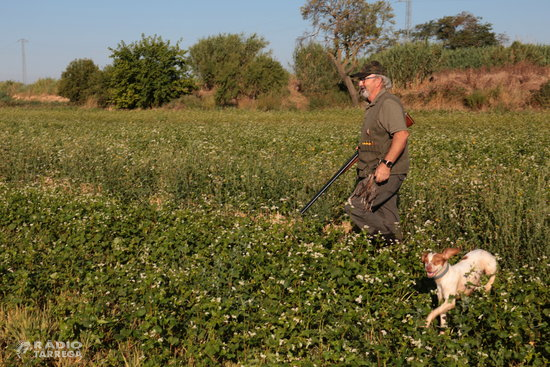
(30, 324)
(508, 87)
(48, 98)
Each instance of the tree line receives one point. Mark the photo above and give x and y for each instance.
(152, 71)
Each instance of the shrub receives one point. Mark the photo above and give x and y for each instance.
(194, 101)
(79, 81)
(236, 67)
(10, 87)
(315, 70)
(542, 96)
(5, 99)
(536, 54)
(215, 58)
(264, 75)
(476, 100)
(148, 73)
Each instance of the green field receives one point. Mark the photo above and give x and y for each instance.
(174, 238)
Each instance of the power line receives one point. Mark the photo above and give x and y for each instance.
(23, 59)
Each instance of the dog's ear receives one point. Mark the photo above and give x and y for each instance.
(425, 257)
(450, 252)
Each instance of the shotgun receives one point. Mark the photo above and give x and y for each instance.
(350, 162)
(353, 159)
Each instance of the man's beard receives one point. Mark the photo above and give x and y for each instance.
(364, 93)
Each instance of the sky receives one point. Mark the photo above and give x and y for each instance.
(60, 31)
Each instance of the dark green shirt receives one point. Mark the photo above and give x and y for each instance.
(383, 117)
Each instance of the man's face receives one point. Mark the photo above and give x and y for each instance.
(368, 84)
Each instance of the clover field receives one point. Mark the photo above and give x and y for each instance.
(174, 238)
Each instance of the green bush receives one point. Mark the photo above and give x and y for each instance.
(5, 99)
(476, 100)
(314, 70)
(329, 99)
(79, 81)
(11, 87)
(541, 97)
(147, 73)
(264, 75)
(192, 101)
(236, 67)
(536, 54)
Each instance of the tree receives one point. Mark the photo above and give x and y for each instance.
(264, 75)
(348, 28)
(80, 80)
(461, 30)
(314, 69)
(148, 73)
(236, 66)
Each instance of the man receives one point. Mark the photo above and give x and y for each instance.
(382, 152)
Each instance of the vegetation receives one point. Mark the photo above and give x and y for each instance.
(542, 96)
(496, 56)
(317, 77)
(41, 86)
(147, 73)
(410, 62)
(416, 62)
(236, 67)
(129, 232)
(349, 29)
(80, 81)
(459, 31)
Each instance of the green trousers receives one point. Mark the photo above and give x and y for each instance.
(383, 218)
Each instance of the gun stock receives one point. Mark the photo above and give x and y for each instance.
(408, 120)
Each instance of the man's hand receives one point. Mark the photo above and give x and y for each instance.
(382, 173)
(399, 142)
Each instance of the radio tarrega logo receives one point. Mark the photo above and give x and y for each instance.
(22, 348)
(50, 349)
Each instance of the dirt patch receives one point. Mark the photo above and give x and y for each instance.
(295, 97)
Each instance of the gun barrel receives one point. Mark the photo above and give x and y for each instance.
(342, 169)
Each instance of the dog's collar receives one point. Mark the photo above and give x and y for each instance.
(439, 276)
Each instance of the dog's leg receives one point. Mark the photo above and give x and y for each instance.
(491, 270)
(490, 283)
(447, 305)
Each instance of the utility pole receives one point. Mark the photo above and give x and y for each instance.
(408, 18)
(23, 60)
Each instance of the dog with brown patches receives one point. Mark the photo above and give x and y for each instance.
(461, 278)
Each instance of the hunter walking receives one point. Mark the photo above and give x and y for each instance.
(383, 155)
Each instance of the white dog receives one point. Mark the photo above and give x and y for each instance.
(463, 277)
